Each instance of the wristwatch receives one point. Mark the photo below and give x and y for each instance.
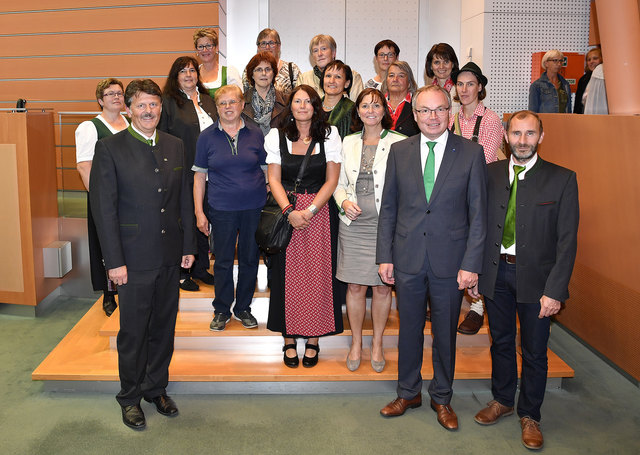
(313, 209)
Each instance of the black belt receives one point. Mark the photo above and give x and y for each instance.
(508, 258)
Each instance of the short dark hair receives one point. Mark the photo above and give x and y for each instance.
(340, 66)
(390, 44)
(256, 60)
(141, 85)
(320, 127)
(444, 51)
(172, 86)
(105, 84)
(356, 122)
(521, 115)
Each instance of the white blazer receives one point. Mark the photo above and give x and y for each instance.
(350, 169)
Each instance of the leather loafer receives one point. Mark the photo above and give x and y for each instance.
(446, 416)
(531, 434)
(471, 324)
(398, 406)
(493, 411)
(133, 417)
(109, 304)
(165, 405)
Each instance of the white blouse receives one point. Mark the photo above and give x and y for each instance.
(87, 136)
(332, 146)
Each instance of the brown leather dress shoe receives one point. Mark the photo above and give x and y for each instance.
(398, 406)
(493, 411)
(471, 323)
(531, 434)
(446, 416)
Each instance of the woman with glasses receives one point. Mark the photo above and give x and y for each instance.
(110, 96)
(551, 93)
(302, 301)
(385, 53)
(358, 196)
(441, 61)
(231, 153)
(263, 102)
(286, 76)
(212, 74)
(399, 87)
(322, 51)
(336, 81)
(187, 109)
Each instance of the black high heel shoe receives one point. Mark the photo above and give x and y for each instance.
(291, 362)
(309, 362)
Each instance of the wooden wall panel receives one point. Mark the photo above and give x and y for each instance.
(105, 42)
(154, 16)
(11, 273)
(605, 294)
(54, 53)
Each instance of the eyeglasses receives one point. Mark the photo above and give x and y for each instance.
(265, 70)
(114, 94)
(187, 70)
(387, 55)
(228, 103)
(555, 60)
(427, 112)
(266, 44)
(202, 47)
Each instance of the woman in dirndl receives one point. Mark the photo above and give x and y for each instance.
(302, 302)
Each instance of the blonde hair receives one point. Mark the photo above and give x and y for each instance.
(226, 89)
(322, 39)
(553, 53)
(205, 33)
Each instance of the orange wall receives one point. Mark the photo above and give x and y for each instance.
(53, 54)
(604, 307)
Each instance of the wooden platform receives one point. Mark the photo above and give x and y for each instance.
(235, 355)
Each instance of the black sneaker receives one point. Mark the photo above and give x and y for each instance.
(219, 322)
(247, 319)
(189, 285)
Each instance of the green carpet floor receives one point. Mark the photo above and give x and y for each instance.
(597, 412)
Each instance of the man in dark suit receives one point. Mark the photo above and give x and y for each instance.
(529, 254)
(431, 233)
(143, 209)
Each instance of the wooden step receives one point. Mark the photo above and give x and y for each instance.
(196, 323)
(86, 355)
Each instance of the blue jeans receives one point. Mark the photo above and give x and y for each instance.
(226, 228)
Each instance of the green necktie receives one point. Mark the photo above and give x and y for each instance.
(509, 234)
(429, 175)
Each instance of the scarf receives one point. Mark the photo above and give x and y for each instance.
(263, 108)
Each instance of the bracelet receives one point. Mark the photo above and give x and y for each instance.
(313, 209)
(287, 208)
(288, 211)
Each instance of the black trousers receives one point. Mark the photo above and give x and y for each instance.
(534, 336)
(148, 309)
(445, 300)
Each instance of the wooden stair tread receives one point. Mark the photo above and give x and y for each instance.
(85, 355)
(196, 324)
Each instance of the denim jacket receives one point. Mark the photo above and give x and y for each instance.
(543, 96)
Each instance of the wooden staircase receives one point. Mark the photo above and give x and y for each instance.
(239, 360)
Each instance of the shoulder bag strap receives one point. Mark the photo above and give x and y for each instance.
(291, 74)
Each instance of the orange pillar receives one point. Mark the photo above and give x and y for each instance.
(619, 27)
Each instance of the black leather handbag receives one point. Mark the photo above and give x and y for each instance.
(274, 230)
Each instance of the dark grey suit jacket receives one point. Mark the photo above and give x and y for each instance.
(141, 202)
(451, 228)
(547, 215)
